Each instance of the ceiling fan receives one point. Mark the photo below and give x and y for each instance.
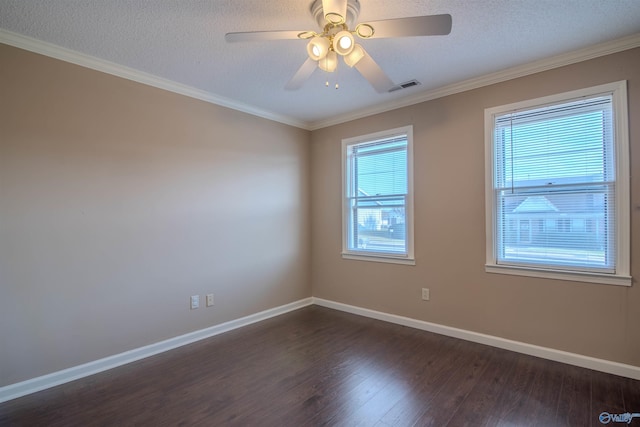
(336, 39)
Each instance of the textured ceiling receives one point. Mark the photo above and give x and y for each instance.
(183, 41)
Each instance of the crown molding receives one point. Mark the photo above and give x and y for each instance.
(54, 51)
(595, 51)
(68, 55)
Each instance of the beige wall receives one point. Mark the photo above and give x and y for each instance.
(602, 321)
(118, 201)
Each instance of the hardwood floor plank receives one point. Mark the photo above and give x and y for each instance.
(481, 404)
(464, 377)
(574, 403)
(369, 355)
(391, 367)
(517, 390)
(606, 396)
(540, 406)
(631, 395)
(285, 379)
(423, 388)
(317, 366)
(531, 394)
(414, 364)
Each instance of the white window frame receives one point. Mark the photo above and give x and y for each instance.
(621, 276)
(363, 255)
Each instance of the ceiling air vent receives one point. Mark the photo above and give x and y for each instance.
(405, 85)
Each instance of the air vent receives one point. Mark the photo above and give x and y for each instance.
(405, 85)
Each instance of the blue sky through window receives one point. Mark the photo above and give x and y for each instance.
(566, 149)
(382, 168)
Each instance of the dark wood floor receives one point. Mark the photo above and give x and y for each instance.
(317, 366)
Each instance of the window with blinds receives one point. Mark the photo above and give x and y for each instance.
(377, 196)
(555, 190)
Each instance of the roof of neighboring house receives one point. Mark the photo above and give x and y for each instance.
(535, 204)
(562, 203)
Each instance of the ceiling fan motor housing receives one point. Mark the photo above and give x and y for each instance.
(353, 11)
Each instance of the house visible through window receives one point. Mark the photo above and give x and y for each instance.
(377, 196)
(557, 186)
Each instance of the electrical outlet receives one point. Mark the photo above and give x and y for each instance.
(425, 294)
(195, 301)
(209, 300)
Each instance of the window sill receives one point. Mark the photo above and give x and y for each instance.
(379, 258)
(600, 278)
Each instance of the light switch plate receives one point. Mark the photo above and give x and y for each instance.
(195, 301)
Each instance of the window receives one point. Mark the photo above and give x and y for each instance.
(377, 196)
(560, 161)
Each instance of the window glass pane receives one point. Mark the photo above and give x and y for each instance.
(382, 173)
(377, 196)
(381, 229)
(555, 186)
(552, 228)
(552, 148)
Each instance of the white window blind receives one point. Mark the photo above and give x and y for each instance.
(377, 196)
(555, 186)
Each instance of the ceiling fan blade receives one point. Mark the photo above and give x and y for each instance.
(302, 74)
(430, 25)
(333, 8)
(252, 36)
(371, 71)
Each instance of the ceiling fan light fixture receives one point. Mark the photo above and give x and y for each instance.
(318, 48)
(343, 43)
(335, 18)
(329, 63)
(356, 54)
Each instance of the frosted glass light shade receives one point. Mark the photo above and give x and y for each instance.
(318, 48)
(343, 43)
(356, 54)
(329, 63)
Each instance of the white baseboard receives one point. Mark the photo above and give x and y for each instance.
(607, 366)
(33, 385)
